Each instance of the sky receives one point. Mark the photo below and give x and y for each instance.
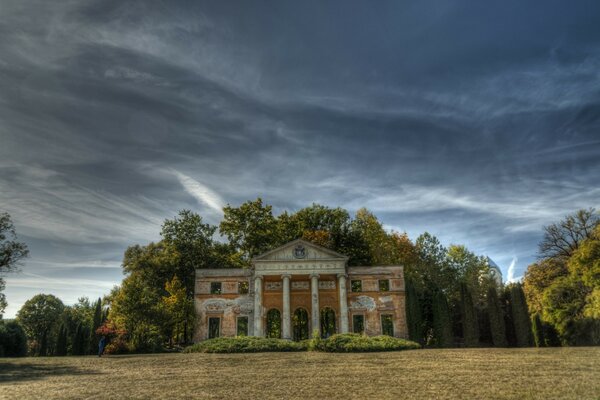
(478, 122)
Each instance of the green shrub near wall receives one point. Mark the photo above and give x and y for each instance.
(245, 344)
(339, 343)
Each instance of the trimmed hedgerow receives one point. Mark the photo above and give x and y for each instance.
(244, 344)
(340, 343)
(355, 343)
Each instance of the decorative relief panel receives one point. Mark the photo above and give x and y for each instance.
(302, 285)
(326, 284)
(238, 306)
(363, 303)
(273, 286)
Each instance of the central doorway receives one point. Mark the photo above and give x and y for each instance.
(300, 324)
(327, 322)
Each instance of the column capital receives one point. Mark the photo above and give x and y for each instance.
(314, 275)
(342, 276)
(283, 276)
(258, 277)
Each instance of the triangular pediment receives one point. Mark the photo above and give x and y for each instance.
(300, 250)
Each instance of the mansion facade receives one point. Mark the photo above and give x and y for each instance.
(298, 289)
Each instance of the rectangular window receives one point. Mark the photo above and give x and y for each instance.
(387, 325)
(358, 323)
(242, 326)
(243, 287)
(356, 286)
(384, 285)
(215, 288)
(214, 327)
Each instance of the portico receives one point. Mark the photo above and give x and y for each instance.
(297, 290)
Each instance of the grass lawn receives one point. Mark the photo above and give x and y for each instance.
(569, 373)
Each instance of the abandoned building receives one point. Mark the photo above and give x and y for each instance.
(296, 289)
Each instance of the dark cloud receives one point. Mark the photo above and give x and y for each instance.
(475, 121)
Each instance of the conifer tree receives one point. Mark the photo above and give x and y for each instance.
(414, 313)
(61, 342)
(76, 349)
(469, 318)
(442, 325)
(520, 316)
(537, 329)
(496, 317)
(97, 321)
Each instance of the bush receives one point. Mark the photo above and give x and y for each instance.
(244, 344)
(353, 342)
(13, 341)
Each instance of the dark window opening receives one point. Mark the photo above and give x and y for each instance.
(327, 322)
(215, 288)
(356, 286)
(300, 324)
(242, 326)
(243, 287)
(214, 327)
(387, 325)
(358, 323)
(274, 323)
(384, 285)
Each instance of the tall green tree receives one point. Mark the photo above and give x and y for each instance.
(520, 316)
(251, 228)
(537, 329)
(496, 318)
(470, 325)
(61, 341)
(12, 252)
(193, 241)
(442, 323)
(96, 322)
(414, 313)
(39, 317)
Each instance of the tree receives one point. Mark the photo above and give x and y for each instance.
(537, 329)
(193, 241)
(496, 317)
(250, 228)
(520, 316)
(61, 342)
(442, 324)
(414, 313)
(179, 308)
(136, 308)
(11, 253)
(13, 341)
(538, 277)
(469, 318)
(96, 322)
(39, 316)
(563, 238)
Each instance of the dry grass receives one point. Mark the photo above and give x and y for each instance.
(570, 373)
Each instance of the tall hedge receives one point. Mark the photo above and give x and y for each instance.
(470, 326)
(61, 341)
(496, 318)
(414, 313)
(520, 316)
(442, 323)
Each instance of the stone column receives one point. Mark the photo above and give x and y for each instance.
(258, 317)
(315, 313)
(343, 303)
(286, 325)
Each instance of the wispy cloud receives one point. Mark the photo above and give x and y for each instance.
(203, 194)
(511, 271)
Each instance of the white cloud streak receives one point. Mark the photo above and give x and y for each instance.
(203, 194)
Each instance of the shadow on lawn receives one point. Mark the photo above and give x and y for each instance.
(15, 372)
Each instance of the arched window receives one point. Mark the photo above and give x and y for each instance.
(274, 323)
(327, 322)
(300, 324)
